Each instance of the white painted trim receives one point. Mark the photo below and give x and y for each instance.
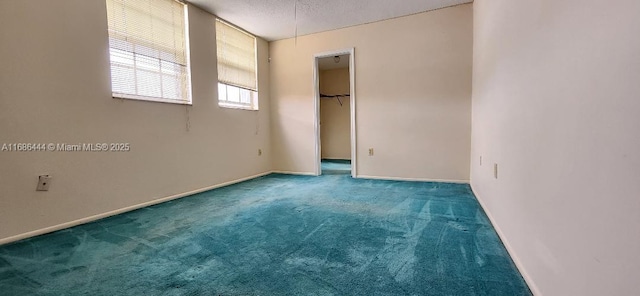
(527, 278)
(294, 173)
(316, 116)
(352, 104)
(352, 96)
(413, 179)
(119, 96)
(122, 210)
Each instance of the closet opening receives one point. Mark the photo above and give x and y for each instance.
(335, 113)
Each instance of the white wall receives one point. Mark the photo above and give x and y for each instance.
(413, 95)
(555, 104)
(335, 118)
(55, 88)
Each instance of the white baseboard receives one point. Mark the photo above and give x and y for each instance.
(412, 179)
(515, 258)
(120, 211)
(294, 173)
(527, 278)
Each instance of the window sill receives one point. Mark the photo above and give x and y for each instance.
(241, 107)
(150, 99)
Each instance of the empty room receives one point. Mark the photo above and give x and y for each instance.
(304, 147)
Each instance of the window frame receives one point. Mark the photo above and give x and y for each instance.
(188, 91)
(253, 101)
(254, 104)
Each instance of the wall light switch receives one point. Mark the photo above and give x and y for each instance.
(495, 170)
(259, 152)
(480, 159)
(370, 151)
(43, 183)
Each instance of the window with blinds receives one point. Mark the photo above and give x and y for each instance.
(237, 67)
(149, 50)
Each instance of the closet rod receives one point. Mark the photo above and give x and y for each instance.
(335, 96)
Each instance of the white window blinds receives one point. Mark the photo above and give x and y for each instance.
(236, 57)
(148, 50)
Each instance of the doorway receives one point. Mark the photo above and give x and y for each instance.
(334, 91)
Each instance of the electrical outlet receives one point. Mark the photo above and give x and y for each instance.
(43, 183)
(259, 152)
(495, 170)
(370, 151)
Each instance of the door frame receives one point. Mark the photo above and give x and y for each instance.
(352, 105)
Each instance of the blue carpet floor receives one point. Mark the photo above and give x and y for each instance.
(277, 235)
(336, 167)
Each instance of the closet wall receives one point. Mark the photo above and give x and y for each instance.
(335, 123)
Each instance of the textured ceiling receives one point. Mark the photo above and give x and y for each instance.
(278, 19)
